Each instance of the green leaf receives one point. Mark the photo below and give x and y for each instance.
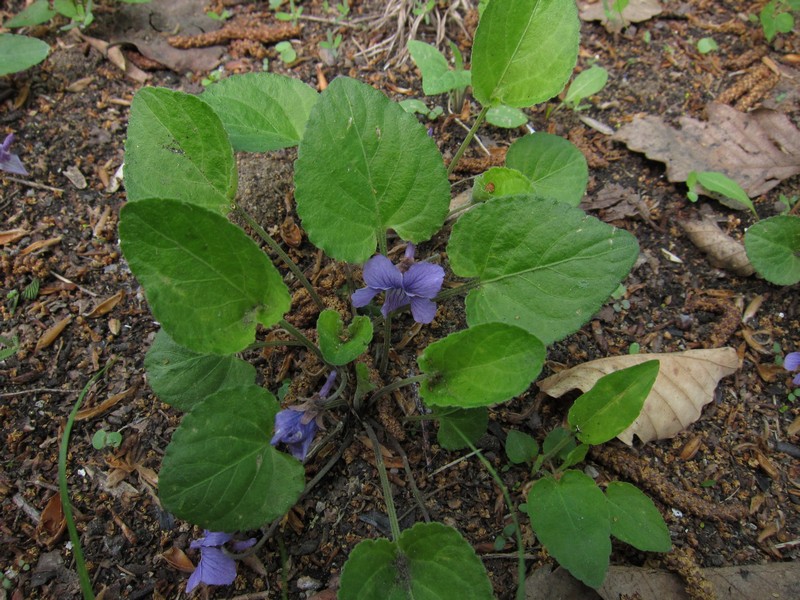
(18, 52)
(506, 116)
(261, 111)
(570, 517)
(706, 45)
(472, 422)
(480, 366)
(575, 455)
(429, 561)
(182, 378)
(35, 14)
(339, 346)
(520, 447)
(524, 51)
(613, 403)
(542, 265)
(499, 181)
(437, 76)
(773, 247)
(178, 149)
(635, 519)
(381, 171)
(723, 188)
(559, 437)
(207, 282)
(555, 167)
(587, 83)
(220, 471)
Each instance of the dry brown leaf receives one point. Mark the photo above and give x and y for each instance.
(106, 306)
(723, 251)
(51, 335)
(52, 523)
(93, 411)
(177, 559)
(12, 235)
(685, 383)
(635, 12)
(40, 245)
(758, 149)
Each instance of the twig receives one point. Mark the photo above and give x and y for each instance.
(33, 184)
(38, 391)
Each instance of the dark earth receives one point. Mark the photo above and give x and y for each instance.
(728, 486)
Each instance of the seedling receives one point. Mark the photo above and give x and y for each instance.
(776, 17)
(706, 45)
(286, 52)
(106, 439)
(332, 43)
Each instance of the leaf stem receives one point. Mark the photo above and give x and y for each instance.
(507, 498)
(63, 490)
(459, 289)
(467, 140)
(298, 335)
(395, 385)
(275, 247)
(387, 490)
(383, 360)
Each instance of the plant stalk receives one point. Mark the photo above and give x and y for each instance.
(397, 385)
(387, 490)
(298, 335)
(467, 140)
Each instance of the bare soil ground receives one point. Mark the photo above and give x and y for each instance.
(728, 486)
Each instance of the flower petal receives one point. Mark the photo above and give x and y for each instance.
(211, 538)
(12, 164)
(796, 379)
(395, 298)
(243, 544)
(792, 361)
(215, 568)
(423, 279)
(423, 310)
(381, 274)
(363, 296)
(286, 423)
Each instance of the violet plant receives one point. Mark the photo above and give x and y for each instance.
(532, 265)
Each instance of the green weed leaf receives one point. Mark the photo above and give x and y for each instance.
(428, 561)
(613, 403)
(261, 111)
(524, 51)
(437, 76)
(586, 84)
(499, 181)
(177, 148)
(19, 52)
(506, 116)
(554, 166)
(220, 454)
(206, 282)
(635, 519)
(570, 517)
(721, 187)
(520, 447)
(773, 247)
(480, 366)
(339, 346)
(35, 14)
(542, 265)
(472, 422)
(381, 171)
(182, 378)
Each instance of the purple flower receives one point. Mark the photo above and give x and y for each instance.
(296, 426)
(215, 567)
(792, 363)
(8, 161)
(414, 283)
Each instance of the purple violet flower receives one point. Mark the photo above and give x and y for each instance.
(215, 567)
(8, 161)
(296, 426)
(409, 282)
(791, 363)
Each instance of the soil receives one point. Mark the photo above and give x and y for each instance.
(728, 486)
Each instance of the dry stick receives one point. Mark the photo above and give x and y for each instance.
(387, 490)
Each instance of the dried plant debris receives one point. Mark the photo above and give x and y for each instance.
(758, 149)
(722, 250)
(635, 12)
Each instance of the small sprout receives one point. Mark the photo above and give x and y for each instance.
(706, 45)
(106, 439)
(286, 52)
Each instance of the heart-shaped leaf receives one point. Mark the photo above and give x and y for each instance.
(428, 561)
(685, 383)
(480, 366)
(524, 51)
(570, 517)
(364, 166)
(773, 247)
(178, 149)
(554, 166)
(182, 378)
(635, 519)
(499, 181)
(261, 111)
(542, 265)
(339, 346)
(220, 454)
(206, 282)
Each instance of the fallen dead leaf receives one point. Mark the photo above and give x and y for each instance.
(11, 236)
(89, 413)
(794, 427)
(722, 250)
(635, 12)
(115, 56)
(52, 523)
(40, 245)
(177, 559)
(106, 306)
(51, 335)
(685, 383)
(758, 149)
(76, 178)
